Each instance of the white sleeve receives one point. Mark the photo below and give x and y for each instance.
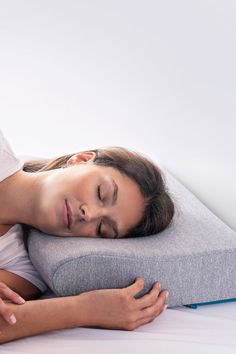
(25, 269)
(9, 162)
(14, 257)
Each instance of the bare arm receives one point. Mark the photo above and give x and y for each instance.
(15, 289)
(39, 316)
(109, 308)
(20, 285)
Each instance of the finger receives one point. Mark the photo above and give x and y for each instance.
(150, 298)
(11, 295)
(143, 321)
(154, 310)
(6, 313)
(140, 322)
(136, 287)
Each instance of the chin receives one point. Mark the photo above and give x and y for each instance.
(47, 226)
(45, 229)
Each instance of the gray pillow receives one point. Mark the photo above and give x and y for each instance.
(194, 258)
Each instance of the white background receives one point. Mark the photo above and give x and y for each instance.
(155, 76)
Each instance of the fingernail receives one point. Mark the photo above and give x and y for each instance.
(21, 299)
(12, 319)
(166, 306)
(167, 294)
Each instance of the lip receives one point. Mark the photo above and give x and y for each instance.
(67, 215)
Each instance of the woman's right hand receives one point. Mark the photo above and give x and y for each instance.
(8, 294)
(119, 309)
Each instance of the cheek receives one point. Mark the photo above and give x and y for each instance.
(48, 211)
(83, 191)
(50, 207)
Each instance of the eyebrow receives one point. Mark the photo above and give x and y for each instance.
(114, 197)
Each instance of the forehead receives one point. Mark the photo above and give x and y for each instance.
(109, 172)
(93, 169)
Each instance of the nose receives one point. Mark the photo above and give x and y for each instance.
(89, 213)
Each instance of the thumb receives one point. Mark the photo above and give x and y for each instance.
(136, 287)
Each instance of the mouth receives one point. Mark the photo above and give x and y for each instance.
(67, 215)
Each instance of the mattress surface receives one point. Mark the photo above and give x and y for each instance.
(209, 329)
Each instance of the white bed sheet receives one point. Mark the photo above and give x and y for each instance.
(207, 329)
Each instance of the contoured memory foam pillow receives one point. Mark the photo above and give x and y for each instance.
(194, 258)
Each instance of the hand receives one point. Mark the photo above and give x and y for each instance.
(118, 309)
(8, 294)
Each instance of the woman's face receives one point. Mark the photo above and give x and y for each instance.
(98, 200)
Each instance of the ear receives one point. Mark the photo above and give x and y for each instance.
(81, 157)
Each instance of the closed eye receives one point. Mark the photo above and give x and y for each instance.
(99, 226)
(98, 231)
(99, 192)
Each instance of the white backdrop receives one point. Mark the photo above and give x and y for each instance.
(155, 76)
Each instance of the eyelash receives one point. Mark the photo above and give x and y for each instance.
(99, 192)
(99, 197)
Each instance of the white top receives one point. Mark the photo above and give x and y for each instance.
(13, 255)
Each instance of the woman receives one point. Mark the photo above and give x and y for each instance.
(111, 192)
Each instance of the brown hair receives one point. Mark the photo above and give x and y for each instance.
(159, 207)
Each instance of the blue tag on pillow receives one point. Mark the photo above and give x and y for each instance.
(194, 306)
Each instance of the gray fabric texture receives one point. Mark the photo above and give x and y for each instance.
(194, 258)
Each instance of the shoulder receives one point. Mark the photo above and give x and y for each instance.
(9, 162)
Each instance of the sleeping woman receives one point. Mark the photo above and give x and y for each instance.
(108, 192)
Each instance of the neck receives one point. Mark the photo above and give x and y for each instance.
(18, 196)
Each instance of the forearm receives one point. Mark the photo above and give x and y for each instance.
(103, 308)
(39, 316)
